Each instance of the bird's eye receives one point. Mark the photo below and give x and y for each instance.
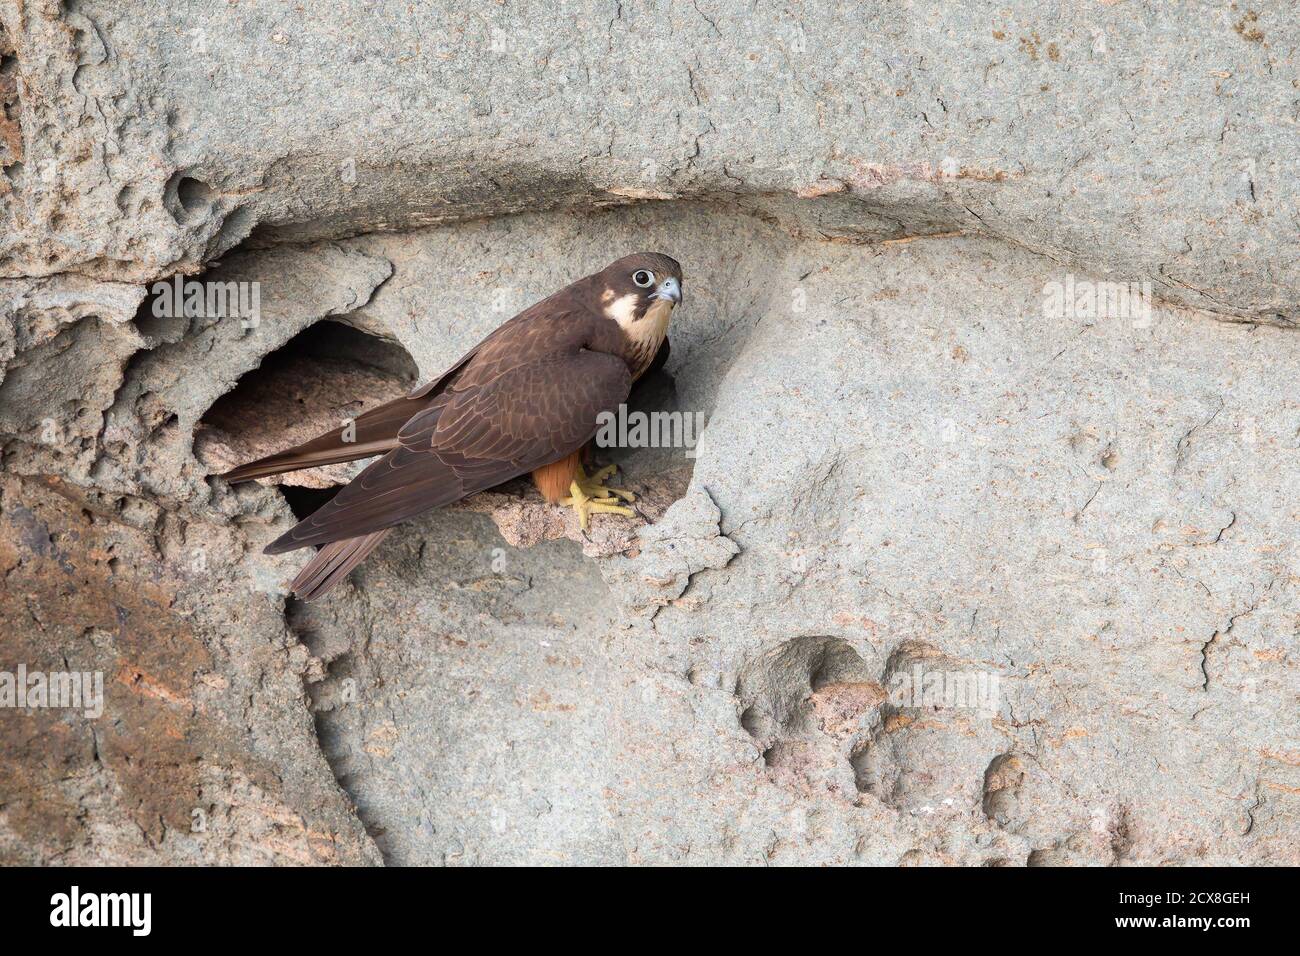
(643, 278)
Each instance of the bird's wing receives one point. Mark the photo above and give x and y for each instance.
(373, 432)
(497, 420)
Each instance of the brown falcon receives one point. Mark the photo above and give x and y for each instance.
(525, 399)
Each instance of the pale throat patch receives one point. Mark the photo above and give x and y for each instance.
(651, 328)
(621, 310)
(647, 333)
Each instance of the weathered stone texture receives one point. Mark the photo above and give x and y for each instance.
(912, 464)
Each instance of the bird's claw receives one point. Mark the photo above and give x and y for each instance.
(587, 496)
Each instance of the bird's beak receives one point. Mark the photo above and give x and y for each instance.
(669, 289)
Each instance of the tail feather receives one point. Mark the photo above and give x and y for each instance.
(333, 563)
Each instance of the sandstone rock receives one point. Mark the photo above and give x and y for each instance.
(1139, 144)
(955, 575)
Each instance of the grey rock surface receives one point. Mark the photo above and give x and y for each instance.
(954, 576)
(1153, 142)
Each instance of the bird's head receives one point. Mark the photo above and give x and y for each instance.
(629, 289)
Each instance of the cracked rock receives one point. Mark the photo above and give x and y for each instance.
(915, 480)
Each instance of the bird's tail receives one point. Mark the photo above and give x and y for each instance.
(332, 564)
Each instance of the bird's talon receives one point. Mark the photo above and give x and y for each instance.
(587, 496)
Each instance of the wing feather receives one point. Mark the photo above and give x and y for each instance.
(375, 432)
(485, 429)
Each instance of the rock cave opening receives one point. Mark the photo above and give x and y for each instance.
(320, 379)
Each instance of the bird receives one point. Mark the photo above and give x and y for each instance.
(527, 399)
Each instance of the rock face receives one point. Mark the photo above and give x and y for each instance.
(985, 555)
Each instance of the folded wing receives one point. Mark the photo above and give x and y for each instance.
(371, 433)
(498, 420)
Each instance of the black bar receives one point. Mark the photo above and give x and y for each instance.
(236, 905)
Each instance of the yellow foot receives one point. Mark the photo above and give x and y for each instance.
(589, 496)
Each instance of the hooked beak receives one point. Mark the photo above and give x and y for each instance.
(669, 289)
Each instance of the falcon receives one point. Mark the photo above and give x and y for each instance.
(525, 400)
